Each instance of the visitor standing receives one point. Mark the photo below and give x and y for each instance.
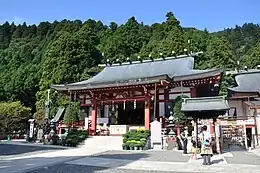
(206, 150)
(194, 150)
(184, 136)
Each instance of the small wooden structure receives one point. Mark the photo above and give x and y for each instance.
(205, 108)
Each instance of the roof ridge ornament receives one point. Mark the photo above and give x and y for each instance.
(139, 59)
(108, 63)
(173, 53)
(129, 60)
(150, 59)
(186, 52)
(118, 61)
(161, 55)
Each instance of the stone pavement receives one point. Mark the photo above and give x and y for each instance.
(102, 161)
(256, 151)
(29, 161)
(9, 149)
(162, 164)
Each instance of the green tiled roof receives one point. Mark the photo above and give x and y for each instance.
(204, 104)
(139, 73)
(247, 82)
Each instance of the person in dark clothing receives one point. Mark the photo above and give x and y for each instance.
(184, 136)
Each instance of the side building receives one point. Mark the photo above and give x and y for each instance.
(132, 94)
(241, 124)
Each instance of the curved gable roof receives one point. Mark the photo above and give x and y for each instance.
(141, 72)
(247, 82)
(171, 67)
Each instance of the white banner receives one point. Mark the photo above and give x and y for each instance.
(31, 129)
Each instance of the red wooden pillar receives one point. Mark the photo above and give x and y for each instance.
(59, 127)
(178, 131)
(147, 115)
(94, 118)
(212, 130)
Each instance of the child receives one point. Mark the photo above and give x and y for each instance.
(194, 150)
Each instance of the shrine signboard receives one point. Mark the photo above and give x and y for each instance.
(156, 134)
(118, 129)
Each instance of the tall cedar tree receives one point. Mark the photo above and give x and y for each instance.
(32, 58)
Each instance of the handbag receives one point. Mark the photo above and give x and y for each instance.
(205, 142)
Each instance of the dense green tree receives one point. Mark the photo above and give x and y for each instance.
(252, 58)
(166, 38)
(227, 82)
(72, 113)
(32, 58)
(13, 117)
(179, 116)
(67, 59)
(219, 54)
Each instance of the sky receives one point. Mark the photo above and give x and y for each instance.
(214, 15)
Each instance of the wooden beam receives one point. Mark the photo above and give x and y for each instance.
(116, 100)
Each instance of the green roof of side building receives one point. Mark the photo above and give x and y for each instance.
(171, 69)
(247, 82)
(217, 103)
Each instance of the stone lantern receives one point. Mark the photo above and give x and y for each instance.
(171, 126)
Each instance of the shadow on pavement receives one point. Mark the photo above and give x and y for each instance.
(216, 161)
(15, 149)
(161, 156)
(234, 149)
(71, 164)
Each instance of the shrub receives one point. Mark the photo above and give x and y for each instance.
(75, 136)
(136, 138)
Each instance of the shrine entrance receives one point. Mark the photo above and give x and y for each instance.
(131, 114)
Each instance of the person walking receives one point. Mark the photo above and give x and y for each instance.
(194, 150)
(206, 150)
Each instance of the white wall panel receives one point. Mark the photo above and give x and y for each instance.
(161, 97)
(87, 101)
(161, 109)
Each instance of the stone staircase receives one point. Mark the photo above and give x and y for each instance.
(103, 142)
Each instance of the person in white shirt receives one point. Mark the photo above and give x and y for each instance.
(206, 149)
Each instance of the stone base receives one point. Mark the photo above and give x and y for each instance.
(157, 146)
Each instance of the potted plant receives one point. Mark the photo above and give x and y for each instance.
(131, 145)
(69, 142)
(136, 145)
(125, 146)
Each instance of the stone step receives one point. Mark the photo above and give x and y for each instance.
(104, 142)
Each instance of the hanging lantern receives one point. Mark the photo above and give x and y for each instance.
(135, 104)
(124, 104)
(113, 106)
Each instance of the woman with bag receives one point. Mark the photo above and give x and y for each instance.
(206, 149)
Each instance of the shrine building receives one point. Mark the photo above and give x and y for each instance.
(134, 93)
(244, 113)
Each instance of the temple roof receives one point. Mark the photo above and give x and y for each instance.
(144, 72)
(247, 82)
(217, 103)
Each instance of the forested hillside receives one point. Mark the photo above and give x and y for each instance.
(34, 57)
